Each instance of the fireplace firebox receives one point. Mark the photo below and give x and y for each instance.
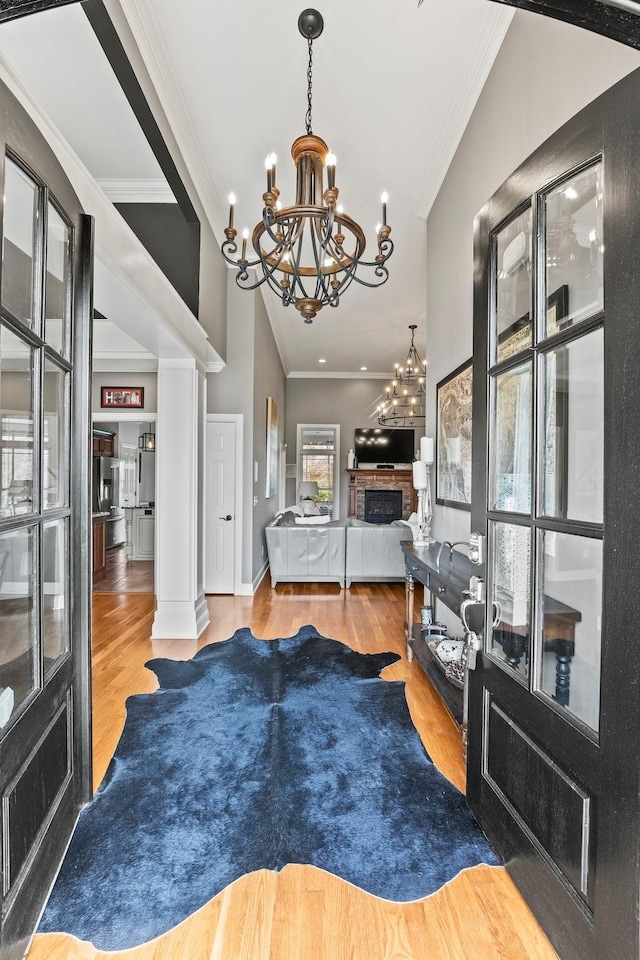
(382, 506)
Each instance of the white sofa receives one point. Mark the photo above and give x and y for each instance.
(342, 551)
(306, 554)
(373, 552)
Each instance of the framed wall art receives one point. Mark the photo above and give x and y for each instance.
(272, 448)
(453, 432)
(131, 397)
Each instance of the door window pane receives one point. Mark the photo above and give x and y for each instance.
(570, 614)
(55, 462)
(510, 440)
(57, 297)
(512, 324)
(55, 576)
(18, 624)
(16, 424)
(574, 250)
(509, 639)
(19, 242)
(574, 429)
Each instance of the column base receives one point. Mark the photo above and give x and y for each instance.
(180, 619)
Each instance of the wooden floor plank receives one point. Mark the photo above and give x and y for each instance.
(303, 913)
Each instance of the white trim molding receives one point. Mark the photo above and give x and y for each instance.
(137, 191)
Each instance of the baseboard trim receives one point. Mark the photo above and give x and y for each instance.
(248, 589)
(180, 620)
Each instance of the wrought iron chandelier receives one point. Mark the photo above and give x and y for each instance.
(403, 404)
(307, 253)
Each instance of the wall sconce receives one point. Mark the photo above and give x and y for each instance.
(147, 442)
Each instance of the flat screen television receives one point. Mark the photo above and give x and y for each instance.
(384, 445)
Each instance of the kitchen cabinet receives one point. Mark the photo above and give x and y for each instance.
(144, 533)
(103, 443)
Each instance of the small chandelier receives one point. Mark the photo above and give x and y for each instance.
(309, 252)
(403, 404)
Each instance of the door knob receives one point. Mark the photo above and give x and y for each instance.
(228, 517)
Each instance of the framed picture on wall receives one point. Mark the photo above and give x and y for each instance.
(272, 448)
(453, 433)
(132, 397)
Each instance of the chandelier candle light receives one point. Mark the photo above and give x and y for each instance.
(422, 483)
(404, 402)
(308, 253)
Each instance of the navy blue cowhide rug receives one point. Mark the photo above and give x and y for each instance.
(253, 755)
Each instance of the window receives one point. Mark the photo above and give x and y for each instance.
(318, 447)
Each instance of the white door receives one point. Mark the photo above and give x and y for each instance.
(128, 475)
(220, 507)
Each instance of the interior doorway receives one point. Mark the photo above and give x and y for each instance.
(124, 501)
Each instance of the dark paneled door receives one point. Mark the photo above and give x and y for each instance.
(553, 732)
(45, 302)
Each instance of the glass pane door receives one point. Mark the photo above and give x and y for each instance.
(35, 384)
(545, 499)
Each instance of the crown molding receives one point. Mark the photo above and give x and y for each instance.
(137, 191)
(466, 95)
(321, 375)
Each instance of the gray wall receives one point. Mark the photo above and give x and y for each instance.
(253, 373)
(544, 73)
(347, 402)
(268, 381)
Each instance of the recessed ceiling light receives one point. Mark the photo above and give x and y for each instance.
(322, 360)
(363, 368)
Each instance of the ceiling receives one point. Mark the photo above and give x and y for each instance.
(394, 85)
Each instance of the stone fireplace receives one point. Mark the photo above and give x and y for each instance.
(370, 480)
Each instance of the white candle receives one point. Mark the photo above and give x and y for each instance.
(419, 474)
(426, 449)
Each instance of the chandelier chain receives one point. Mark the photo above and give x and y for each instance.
(309, 85)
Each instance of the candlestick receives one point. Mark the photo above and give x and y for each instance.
(232, 203)
(245, 237)
(426, 449)
(268, 165)
(330, 163)
(419, 474)
(384, 198)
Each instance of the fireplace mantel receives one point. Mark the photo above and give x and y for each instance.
(370, 478)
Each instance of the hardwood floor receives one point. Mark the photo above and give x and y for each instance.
(303, 913)
(126, 576)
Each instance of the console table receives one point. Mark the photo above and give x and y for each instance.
(447, 581)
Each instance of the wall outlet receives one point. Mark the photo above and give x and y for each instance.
(263, 549)
(255, 501)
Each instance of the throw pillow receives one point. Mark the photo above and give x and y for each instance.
(306, 521)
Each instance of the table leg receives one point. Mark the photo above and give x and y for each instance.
(409, 595)
(565, 650)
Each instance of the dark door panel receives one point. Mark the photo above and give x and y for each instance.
(554, 715)
(45, 335)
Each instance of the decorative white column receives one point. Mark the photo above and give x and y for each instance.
(181, 606)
